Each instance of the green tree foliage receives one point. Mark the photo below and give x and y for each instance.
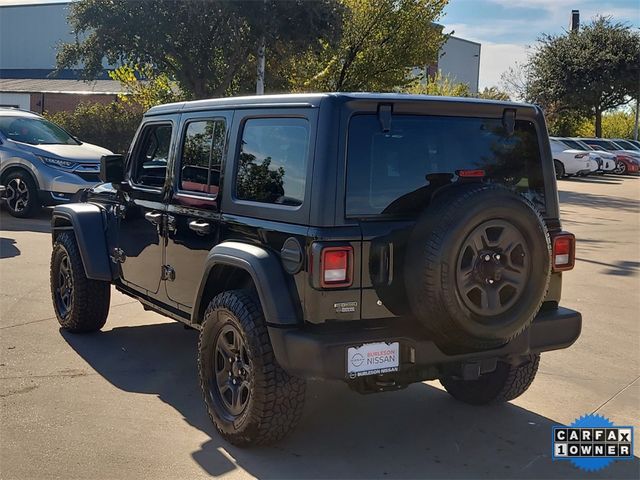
(589, 72)
(207, 46)
(440, 85)
(144, 86)
(111, 125)
(618, 124)
(381, 42)
(493, 93)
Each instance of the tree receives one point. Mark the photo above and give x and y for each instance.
(207, 46)
(381, 42)
(144, 86)
(439, 85)
(616, 124)
(516, 81)
(590, 71)
(493, 93)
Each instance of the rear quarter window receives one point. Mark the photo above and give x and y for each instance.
(396, 172)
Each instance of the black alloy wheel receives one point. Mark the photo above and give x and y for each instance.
(63, 294)
(232, 370)
(493, 267)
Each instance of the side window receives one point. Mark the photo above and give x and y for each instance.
(272, 165)
(149, 166)
(202, 151)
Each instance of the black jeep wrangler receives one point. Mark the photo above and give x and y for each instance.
(377, 239)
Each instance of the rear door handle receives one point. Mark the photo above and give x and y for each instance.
(201, 228)
(153, 217)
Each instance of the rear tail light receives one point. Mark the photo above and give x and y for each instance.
(336, 267)
(563, 251)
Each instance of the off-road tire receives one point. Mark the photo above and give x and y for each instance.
(507, 382)
(559, 168)
(89, 305)
(432, 267)
(275, 399)
(33, 203)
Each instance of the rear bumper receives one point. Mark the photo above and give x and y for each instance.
(320, 352)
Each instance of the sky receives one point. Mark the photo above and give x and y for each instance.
(506, 28)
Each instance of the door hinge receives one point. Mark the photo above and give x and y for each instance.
(168, 273)
(118, 256)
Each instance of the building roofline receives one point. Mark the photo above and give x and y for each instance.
(465, 40)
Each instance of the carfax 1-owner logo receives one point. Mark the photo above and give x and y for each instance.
(592, 442)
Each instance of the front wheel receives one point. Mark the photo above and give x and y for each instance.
(506, 382)
(250, 399)
(560, 171)
(81, 304)
(621, 168)
(21, 196)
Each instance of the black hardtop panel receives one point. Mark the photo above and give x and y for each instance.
(403, 103)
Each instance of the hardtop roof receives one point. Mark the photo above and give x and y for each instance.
(313, 100)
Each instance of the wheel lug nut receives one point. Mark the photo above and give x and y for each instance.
(497, 256)
(487, 258)
(491, 281)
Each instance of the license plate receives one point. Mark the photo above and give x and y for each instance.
(373, 359)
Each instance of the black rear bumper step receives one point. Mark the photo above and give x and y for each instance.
(322, 354)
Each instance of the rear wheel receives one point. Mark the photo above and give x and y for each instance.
(250, 399)
(507, 382)
(560, 172)
(21, 196)
(81, 304)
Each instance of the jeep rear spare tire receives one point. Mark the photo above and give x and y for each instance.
(478, 266)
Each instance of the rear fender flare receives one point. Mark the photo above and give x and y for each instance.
(269, 278)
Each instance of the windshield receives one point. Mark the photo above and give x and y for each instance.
(575, 145)
(602, 145)
(626, 145)
(34, 131)
(396, 172)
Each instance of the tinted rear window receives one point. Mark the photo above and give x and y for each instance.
(396, 172)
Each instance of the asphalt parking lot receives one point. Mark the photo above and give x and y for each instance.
(124, 403)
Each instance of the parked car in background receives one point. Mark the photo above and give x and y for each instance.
(569, 162)
(41, 163)
(626, 144)
(606, 161)
(628, 160)
(635, 142)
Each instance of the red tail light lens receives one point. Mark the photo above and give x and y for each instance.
(336, 267)
(564, 251)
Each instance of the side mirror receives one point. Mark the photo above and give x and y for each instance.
(112, 169)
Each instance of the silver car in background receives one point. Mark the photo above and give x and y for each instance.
(42, 164)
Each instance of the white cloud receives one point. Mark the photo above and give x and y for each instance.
(496, 58)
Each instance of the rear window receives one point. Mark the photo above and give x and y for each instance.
(395, 173)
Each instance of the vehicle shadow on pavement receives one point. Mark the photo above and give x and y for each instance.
(40, 223)
(417, 432)
(8, 248)
(598, 201)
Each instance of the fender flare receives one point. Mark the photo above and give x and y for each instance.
(86, 221)
(264, 267)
